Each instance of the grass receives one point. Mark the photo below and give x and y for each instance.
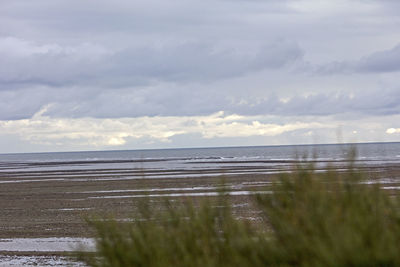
(309, 219)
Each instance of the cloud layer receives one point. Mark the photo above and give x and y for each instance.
(101, 74)
(107, 132)
(93, 65)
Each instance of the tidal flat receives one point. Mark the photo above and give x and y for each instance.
(43, 211)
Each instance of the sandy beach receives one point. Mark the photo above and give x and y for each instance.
(49, 207)
(54, 203)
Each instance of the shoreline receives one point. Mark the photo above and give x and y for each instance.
(53, 204)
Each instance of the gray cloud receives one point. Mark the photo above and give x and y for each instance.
(383, 61)
(358, 102)
(156, 58)
(93, 65)
(175, 101)
(377, 62)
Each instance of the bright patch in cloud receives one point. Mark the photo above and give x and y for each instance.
(393, 130)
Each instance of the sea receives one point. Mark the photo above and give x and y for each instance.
(185, 162)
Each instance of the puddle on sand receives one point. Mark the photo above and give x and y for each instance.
(201, 194)
(52, 244)
(38, 261)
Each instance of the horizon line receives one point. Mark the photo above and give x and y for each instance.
(206, 147)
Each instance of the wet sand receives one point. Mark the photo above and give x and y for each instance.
(56, 208)
(55, 203)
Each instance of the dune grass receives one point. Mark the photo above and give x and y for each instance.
(309, 219)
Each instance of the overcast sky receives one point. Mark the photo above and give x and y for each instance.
(96, 74)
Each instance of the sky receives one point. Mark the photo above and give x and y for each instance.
(105, 75)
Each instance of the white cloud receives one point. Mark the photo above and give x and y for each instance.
(393, 130)
(254, 128)
(115, 132)
(45, 133)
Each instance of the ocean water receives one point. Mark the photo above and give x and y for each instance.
(197, 158)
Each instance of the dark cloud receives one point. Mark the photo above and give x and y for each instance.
(175, 101)
(377, 62)
(383, 61)
(14, 105)
(157, 58)
(93, 65)
(360, 102)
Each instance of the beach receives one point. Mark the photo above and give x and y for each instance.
(44, 204)
(54, 204)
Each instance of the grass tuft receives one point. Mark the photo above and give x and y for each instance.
(310, 219)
